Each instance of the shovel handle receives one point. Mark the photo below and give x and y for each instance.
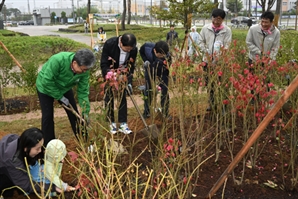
(138, 109)
(70, 108)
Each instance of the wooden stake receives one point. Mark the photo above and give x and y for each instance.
(11, 55)
(256, 134)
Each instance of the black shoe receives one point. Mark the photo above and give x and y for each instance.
(146, 115)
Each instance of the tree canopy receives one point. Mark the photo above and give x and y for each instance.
(234, 5)
(178, 11)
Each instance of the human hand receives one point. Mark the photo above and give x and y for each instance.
(129, 89)
(58, 190)
(70, 188)
(146, 64)
(86, 119)
(64, 100)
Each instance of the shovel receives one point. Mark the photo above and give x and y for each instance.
(150, 130)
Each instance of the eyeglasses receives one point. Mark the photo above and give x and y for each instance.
(217, 19)
(82, 69)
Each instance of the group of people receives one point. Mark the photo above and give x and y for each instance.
(65, 70)
(24, 154)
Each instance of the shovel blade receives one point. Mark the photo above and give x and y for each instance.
(151, 131)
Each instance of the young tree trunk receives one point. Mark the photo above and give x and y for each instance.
(123, 16)
(1, 97)
(277, 12)
(129, 11)
(2, 4)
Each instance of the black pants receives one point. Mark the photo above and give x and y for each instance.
(210, 90)
(5, 182)
(47, 112)
(109, 104)
(165, 98)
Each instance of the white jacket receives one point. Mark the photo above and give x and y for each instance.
(259, 43)
(210, 42)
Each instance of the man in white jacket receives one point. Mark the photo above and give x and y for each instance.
(214, 38)
(263, 39)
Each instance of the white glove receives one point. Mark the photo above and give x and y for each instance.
(129, 86)
(146, 64)
(64, 100)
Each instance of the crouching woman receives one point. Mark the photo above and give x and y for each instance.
(15, 151)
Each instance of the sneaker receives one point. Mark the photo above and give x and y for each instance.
(90, 149)
(146, 115)
(124, 128)
(113, 128)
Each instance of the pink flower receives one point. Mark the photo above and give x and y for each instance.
(225, 101)
(219, 73)
(110, 75)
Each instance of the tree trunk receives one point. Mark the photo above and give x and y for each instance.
(123, 16)
(88, 8)
(1, 98)
(2, 4)
(277, 12)
(129, 11)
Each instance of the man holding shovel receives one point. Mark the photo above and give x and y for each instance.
(118, 60)
(55, 81)
(156, 59)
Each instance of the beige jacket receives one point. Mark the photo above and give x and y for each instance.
(210, 42)
(260, 44)
(55, 153)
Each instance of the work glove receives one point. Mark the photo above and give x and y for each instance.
(64, 100)
(146, 64)
(87, 119)
(129, 89)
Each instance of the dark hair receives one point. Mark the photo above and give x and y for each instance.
(84, 57)
(29, 139)
(219, 13)
(128, 39)
(162, 47)
(268, 15)
(100, 28)
(172, 25)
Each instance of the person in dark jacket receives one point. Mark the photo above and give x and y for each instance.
(14, 150)
(55, 81)
(118, 56)
(156, 64)
(249, 22)
(172, 35)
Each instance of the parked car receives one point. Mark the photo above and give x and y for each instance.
(30, 22)
(242, 20)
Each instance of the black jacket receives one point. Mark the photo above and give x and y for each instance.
(110, 52)
(158, 66)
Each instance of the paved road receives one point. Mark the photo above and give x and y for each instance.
(52, 30)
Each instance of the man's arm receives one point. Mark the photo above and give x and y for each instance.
(275, 47)
(143, 53)
(104, 61)
(251, 45)
(202, 42)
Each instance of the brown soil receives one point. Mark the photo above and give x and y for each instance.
(252, 187)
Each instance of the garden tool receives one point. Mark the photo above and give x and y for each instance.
(70, 108)
(149, 130)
